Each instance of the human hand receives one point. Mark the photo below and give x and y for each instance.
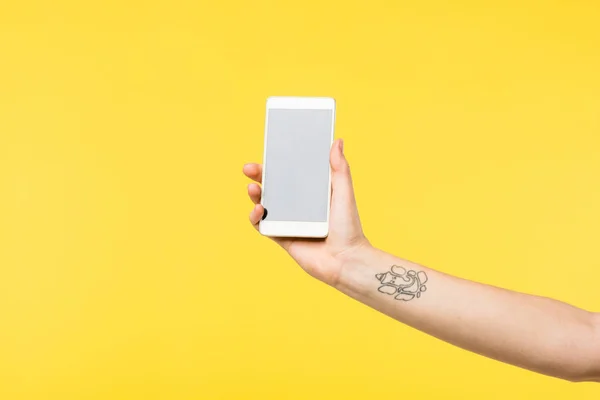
(321, 258)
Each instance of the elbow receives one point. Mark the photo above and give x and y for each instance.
(588, 369)
(580, 378)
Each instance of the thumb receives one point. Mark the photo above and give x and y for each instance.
(341, 181)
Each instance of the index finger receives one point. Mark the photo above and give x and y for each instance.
(253, 171)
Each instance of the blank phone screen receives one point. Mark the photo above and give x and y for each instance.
(296, 186)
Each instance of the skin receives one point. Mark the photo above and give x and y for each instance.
(532, 332)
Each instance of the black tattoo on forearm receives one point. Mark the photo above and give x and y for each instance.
(405, 285)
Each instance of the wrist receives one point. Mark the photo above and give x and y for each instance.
(356, 267)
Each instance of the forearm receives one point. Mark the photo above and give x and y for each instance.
(532, 332)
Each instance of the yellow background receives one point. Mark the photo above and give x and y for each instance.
(127, 267)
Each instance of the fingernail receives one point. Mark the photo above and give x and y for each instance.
(342, 145)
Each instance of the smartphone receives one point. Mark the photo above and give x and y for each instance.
(296, 179)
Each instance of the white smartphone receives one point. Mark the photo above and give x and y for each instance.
(296, 179)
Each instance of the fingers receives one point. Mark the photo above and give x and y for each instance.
(336, 157)
(256, 215)
(254, 192)
(253, 171)
(341, 180)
